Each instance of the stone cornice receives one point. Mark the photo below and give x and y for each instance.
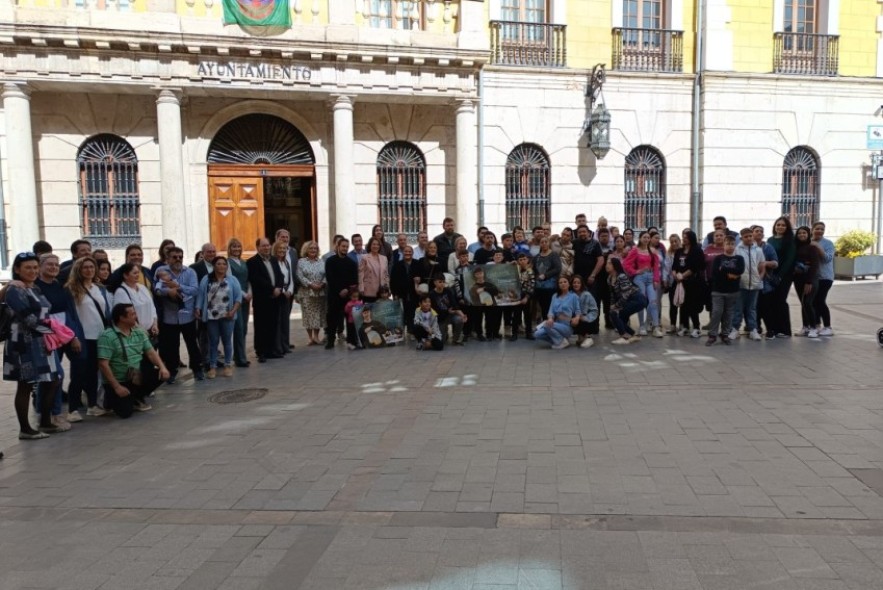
(32, 36)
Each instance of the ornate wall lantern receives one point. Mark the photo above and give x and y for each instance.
(598, 124)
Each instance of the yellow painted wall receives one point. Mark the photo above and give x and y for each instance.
(858, 37)
(752, 25)
(689, 27)
(589, 33)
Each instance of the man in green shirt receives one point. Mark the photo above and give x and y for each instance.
(121, 350)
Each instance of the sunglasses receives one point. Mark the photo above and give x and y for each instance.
(23, 255)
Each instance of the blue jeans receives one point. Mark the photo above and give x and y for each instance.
(220, 330)
(554, 335)
(747, 306)
(57, 403)
(644, 282)
(621, 318)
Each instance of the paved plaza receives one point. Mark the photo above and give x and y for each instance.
(499, 466)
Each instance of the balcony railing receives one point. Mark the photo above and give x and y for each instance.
(807, 54)
(648, 50)
(528, 44)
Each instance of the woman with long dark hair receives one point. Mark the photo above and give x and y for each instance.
(782, 242)
(807, 259)
(688, 269)
(643, 267)
(164, 248)
(217, 304)
(373, 271)
(385, 247)
(562, 315)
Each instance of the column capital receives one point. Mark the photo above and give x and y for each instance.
(466, 105)
(341, 101)
(169, 96)
(16, 90)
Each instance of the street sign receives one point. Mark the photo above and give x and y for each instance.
(875, 137)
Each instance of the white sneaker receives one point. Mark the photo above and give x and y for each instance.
(74, 417)
(754, 335)
(142, 407)
(804, 331)
(681, 332)
(826, 332)
(622, 340)
(672, 330)
(695, 333)
(657, 332)
(642, 331)
(96, 411)
(734, 334)
(561, 345)
(812, 333)
(587, 343)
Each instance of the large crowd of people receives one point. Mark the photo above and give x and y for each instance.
(121, 329)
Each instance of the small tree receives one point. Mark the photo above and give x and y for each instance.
(854, 243)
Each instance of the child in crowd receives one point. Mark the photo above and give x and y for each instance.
(352, 338)
(426, 329)
(726, 275)
(522, 310)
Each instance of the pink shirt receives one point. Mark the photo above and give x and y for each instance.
(639, 261)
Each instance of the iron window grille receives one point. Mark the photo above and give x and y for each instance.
(528, 187)
(401, 188)
(260, 139)
(108, 185)
(644, 189)
(800, 187)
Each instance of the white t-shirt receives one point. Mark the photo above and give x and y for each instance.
(141, 300)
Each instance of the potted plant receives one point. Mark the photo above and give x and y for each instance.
(852, 258)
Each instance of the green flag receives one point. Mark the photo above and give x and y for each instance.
(261, 13)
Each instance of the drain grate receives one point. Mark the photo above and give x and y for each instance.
(238, 396)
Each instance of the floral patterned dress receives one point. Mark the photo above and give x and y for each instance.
(313, 303)
(24, 356)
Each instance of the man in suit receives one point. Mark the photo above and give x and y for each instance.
(266, 287)
(341, 272)
(284, 236)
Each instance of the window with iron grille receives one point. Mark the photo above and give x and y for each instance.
(108, 185)
(800, 187)
(401, 187)
(528, 187)
(644, 189)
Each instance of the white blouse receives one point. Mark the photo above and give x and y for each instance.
(141, 300)
(87, 311)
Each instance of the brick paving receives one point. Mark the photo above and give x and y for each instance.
(494, 466)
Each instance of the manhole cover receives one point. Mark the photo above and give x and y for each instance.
(238, 396)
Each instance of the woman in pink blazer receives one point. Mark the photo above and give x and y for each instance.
(373, 271)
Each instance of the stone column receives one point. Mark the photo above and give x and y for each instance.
(467, 169)
(22, 195)
(171, 166)
(344, 168)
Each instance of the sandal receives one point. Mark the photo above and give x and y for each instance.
(32, 435)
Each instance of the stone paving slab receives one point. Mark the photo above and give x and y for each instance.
(498, 465)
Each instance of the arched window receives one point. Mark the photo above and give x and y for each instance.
(401, 189)
(644, 189)
(800, 187)
(109, 200)
(528, 187)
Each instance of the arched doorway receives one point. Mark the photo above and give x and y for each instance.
(262, 178)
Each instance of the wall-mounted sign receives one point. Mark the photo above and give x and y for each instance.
(875, 137)
(230, 70)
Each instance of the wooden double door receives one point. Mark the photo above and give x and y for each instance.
(251, 201)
